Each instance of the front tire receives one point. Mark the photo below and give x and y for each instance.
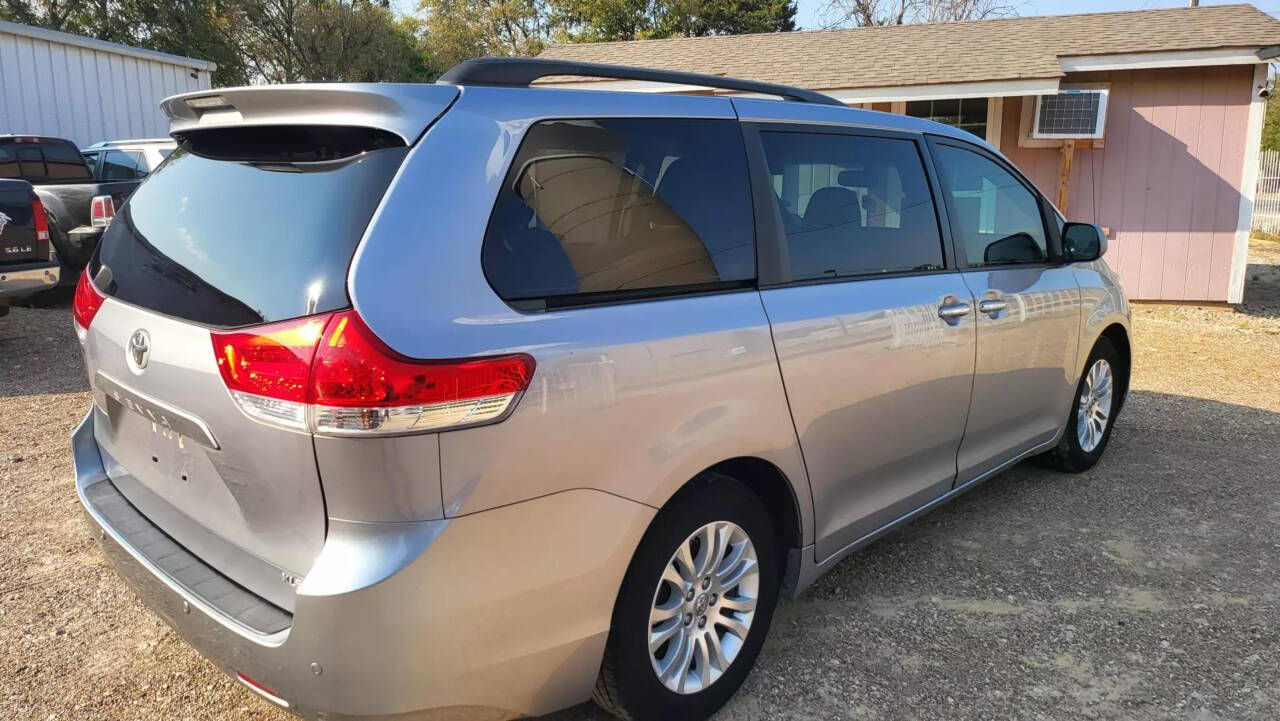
(694, 606)
(1098, 397)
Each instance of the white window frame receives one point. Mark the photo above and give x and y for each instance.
(1099, 127)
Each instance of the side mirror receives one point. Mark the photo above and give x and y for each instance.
(1083, 242)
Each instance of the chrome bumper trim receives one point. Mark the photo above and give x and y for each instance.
(30, 280)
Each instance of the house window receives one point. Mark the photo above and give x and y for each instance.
(964, 113)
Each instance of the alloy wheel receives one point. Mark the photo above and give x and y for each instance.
(1094, 408)
(703, 607)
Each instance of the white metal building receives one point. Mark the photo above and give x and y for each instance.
(87, 90)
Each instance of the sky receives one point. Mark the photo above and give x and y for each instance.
(809, 9)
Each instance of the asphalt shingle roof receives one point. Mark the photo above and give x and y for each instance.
(1003, 49)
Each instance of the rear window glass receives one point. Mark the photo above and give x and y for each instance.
(237, 242)
(42, 162)
(593, 208)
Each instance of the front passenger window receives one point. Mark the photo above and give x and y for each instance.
(996, 217)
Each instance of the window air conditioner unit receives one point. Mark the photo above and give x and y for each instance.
(1072, 113)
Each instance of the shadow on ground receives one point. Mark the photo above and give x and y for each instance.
(1143, 589)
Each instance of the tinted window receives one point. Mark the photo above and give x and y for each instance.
(852, 205)
(996, 217)
(600, 206)
(119, 165)
(31, 164)
(230, 243)
(42, 162)
(8, 162)
(92, 159)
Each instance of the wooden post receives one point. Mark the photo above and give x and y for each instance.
(1064, 174)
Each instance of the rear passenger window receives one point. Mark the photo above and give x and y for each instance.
(596, 207)
(852, 205)
(119, 165)
(997, 218)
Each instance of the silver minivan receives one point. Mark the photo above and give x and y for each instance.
(477, 400)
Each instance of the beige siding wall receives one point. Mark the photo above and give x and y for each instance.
(1167, 182)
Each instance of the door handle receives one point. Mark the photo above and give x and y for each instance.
(953, 311)
(992, 306)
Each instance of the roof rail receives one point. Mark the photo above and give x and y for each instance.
(523, 71)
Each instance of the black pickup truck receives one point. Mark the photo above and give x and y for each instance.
(28, 263)
(66, 188)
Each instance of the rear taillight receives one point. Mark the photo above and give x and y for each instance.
(40, 220)
(101, 211)
(331, 374)
(358, 384)
(266, 368)
(86, 304)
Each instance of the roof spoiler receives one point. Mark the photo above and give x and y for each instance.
(523, 71)
(403, 109)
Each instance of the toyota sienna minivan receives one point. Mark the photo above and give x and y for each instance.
(476, 400)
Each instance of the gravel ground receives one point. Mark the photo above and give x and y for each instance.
(1147, 588)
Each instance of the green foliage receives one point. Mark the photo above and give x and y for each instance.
(270, 41)
(1271, 129)
(277, 41)
(459, 29)
(598, 20)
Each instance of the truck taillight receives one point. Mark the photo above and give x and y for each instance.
(330, 374)
(101, 210)
(87, 303)
(40, 220)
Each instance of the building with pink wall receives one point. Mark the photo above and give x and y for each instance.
(1167, 164)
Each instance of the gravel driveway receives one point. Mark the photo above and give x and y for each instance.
(1148, 588)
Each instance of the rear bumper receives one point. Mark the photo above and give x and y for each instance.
(493, 615)
(22, 280)
(81, 241)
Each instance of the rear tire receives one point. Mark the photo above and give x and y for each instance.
(699, 673)
(1098, 398)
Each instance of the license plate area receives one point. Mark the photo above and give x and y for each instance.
(167, 421)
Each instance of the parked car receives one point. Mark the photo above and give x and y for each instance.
(76, 205)
(483, 399)
(28, 261)
(127, 159)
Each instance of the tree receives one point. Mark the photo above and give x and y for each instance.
(857, 13)
(270, 41)
(357, 42)
(456, 30)
(598, 20)
(1271, 127)
(195, 28)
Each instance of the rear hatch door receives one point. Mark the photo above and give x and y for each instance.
(240, 227)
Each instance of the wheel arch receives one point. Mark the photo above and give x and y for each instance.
(782, 499)
(774, 490)
(1118, 335)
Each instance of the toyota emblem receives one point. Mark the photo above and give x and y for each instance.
(139, 349)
